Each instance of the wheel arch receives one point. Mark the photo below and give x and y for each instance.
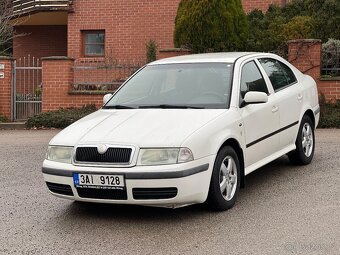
(232, 142)
(310, 114)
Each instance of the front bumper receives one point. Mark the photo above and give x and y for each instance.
(191, 181)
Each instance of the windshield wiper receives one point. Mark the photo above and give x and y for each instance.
(169, 106)
(118, 107)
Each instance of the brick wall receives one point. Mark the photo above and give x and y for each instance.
(5, 88)
(330, 88)
(40, 41)
(305, 54)
(57, 77)
(128, 25)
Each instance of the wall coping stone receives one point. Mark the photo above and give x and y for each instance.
(337, 78)
(89, 92)
(305, 40)
(57, 58)
(6, 58)
(174, 50)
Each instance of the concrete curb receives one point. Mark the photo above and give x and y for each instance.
(13, 125)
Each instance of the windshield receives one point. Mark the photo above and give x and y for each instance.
(201, 85)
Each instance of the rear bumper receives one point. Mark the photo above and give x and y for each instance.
(180, 184)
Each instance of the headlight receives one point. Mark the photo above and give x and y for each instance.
(164, 156)
(59, 154)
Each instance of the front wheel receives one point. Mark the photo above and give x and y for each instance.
(305, 143)
(225, 180)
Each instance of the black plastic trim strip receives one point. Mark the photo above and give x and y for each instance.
(271, 134)
(317, 111)
(154, 193)
(135, 175)
(58, 188)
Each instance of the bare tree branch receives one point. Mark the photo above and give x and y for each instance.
(7, 24)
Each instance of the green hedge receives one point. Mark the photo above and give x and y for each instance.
(330, 114)
(299, 19)
(3, 118)
(60, 118)
(210, 25)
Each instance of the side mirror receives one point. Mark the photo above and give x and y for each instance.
(106, 98)
(255, 97)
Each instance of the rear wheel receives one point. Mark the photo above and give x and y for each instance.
(305, 143)
(225, 180)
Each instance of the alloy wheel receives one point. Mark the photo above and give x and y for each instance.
(228, 178)
(307, 139)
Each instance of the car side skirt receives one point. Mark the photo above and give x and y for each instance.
(269, 159)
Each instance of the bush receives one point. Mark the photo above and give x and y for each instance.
(271, 30)
(210, 25)
(60, 118)
(266, 33)
(329, 114)
(299, 27)
(151, 51)
(331, 57)
(300, 19)
(326, 18)
(3, 118)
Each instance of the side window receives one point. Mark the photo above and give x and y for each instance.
(279, 74)
(288, 73)
(251, 79)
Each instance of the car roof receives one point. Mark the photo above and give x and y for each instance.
(224, 57)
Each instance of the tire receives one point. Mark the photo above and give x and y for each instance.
(226, 172)
(305, 143)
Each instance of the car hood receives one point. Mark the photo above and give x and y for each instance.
(137, 127)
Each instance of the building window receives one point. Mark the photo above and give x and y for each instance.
(94, 43)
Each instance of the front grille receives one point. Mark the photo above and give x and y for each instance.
(60, 188)
(154, 193)
(112, 155)
(115, 194)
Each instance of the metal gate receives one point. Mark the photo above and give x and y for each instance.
(27, 87)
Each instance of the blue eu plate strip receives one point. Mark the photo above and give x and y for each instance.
(76, 178)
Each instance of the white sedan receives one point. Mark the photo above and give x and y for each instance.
(187, 130)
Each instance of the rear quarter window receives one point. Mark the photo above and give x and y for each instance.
(280, 75)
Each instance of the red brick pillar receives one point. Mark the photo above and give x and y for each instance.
(305, 54)
(6, 65)
(57, 76)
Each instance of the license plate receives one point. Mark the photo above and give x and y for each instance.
(99, 181)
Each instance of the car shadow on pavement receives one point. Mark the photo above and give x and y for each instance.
(133, 211)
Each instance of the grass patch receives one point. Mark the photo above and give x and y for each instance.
(60, 118)
(329, 113)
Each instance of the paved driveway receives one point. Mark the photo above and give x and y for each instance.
(283, 210)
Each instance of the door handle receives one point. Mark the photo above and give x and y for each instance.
(300, 97)
(275, 109)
